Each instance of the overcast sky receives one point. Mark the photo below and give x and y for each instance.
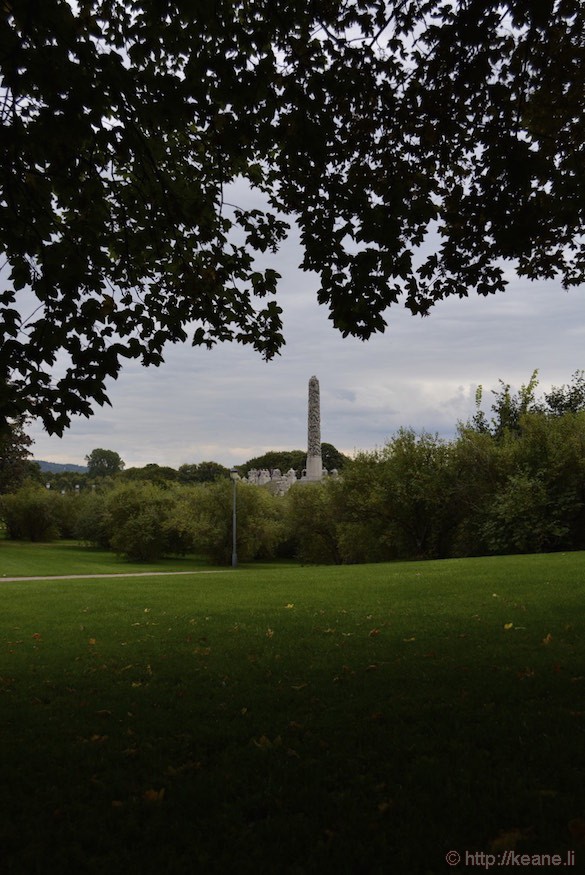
(228, 405)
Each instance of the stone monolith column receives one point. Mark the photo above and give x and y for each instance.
(314, 460)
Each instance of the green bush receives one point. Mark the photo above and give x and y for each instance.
(31, 514)
(138, 517)
(93, 524)
(204, 513)
(312, 520)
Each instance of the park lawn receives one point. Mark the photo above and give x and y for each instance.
(294, 719)
(23, 559)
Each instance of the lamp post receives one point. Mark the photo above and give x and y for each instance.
(234, 478)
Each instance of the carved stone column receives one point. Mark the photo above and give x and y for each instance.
(314, 460)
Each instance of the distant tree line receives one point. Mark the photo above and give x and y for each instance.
(104, 467)
(511, 481)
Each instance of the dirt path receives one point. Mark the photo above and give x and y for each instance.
(116, 574)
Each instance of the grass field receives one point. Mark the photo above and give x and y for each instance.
(296, 720)
(21, 559)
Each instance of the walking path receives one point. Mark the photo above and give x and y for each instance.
(115, 574)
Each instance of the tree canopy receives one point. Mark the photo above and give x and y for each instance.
(15, 463)
(103, 463)
(371, 124)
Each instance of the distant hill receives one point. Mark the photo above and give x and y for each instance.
(56, 467)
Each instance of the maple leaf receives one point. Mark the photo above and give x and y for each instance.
(37, 636)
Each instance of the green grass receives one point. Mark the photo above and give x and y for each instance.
(299, 720)
(21, 559)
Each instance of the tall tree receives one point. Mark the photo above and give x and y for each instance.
(15, 463)
(103, 463)
(369, 123)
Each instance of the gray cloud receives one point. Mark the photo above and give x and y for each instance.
(229, 405)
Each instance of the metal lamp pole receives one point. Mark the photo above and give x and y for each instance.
(234, 478)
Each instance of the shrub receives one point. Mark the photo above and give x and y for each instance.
(93, 524)
(137, 517)
(31, 514)
(312, 522)
(204, 513)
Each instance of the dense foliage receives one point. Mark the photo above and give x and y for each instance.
(15, 464)
(512, 483)
(284, 460)
(369, 123)
(103, 463)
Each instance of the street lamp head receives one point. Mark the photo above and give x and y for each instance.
(234, 475)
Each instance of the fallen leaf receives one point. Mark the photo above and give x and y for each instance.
(547, 639)
(92, 641)
(264, 742)
(154, 795)
(37, 637)
(508, 626)
(289, 606)
(189, 766)
(104, 713)
(507, 840)
(374, 632)
(408, 640)
(299, 686)
(577, 830)
(269, 633)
